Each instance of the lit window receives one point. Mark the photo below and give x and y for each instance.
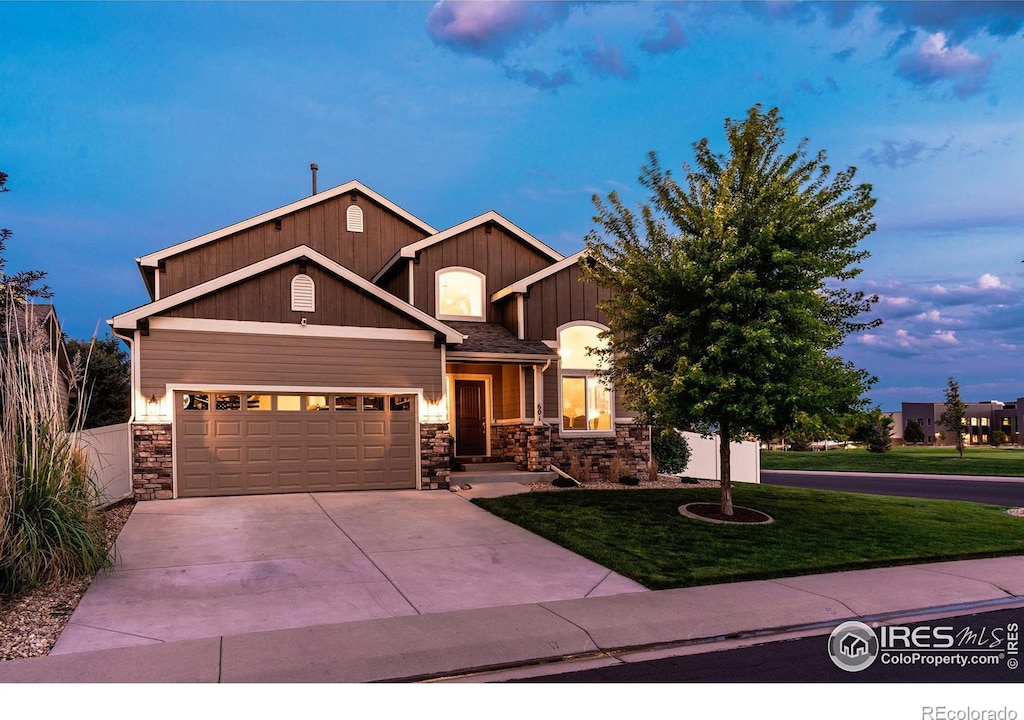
(303, 294)
(354, 218)
(460, 294)
(586, 398)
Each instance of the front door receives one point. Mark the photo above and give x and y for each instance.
(470, 418)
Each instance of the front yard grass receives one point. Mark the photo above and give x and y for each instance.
(640, 533)
(978, 460)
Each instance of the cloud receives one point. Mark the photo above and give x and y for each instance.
(491, 29)
(989, 281)
(936, 60)
(831, 85)
(844, 55)
(958, 20)
(895, 154)
(673, 39)
(538, 78)
(607, 59)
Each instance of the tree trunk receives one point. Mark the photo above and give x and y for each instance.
(724, 453)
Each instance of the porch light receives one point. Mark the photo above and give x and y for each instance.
(152, 405)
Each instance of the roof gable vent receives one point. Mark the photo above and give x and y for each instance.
(303, 294)
(354, 218)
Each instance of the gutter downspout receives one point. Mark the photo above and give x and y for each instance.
(538, 393)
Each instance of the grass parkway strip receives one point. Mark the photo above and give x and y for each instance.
(999, 462)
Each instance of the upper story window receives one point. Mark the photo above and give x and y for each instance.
(586, 398)
(303, 293)
(354, 218)
(460, 294)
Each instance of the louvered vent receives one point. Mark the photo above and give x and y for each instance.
(303, 294)
(354, 218)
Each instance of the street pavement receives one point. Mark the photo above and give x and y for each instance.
(991, 490)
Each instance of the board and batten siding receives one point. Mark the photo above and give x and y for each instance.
(500, 256)
(321, 226)
(559, 299)
(196, 360)
(267, 298)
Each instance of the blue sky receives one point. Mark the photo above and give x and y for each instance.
(127, 127)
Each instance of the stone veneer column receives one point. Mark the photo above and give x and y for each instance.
(435, 456)
(538, 447)
(152, 462)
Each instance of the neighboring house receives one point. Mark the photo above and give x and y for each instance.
(982, 418)
(341, 343)
(43, 316)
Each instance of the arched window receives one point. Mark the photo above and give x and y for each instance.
(303, 293)
(460, 294)
(586, 397)
(354, 218)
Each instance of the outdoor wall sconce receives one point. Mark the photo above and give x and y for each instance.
(152, 405)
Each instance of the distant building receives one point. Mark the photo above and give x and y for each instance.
(983, 419)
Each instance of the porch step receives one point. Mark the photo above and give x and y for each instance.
(486, 467)
(482, 477)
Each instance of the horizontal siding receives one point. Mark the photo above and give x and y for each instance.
(321, 227)
(510, 392)
(267, 298)
(198, 359)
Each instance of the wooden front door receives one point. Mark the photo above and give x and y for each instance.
(470, 418)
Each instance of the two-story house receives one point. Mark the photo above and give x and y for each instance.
(341, 343)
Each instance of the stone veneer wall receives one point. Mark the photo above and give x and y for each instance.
(509, 443)
(435, 456)
(152, 462)
(631, 444)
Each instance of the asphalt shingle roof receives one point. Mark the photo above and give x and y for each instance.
(495, 338)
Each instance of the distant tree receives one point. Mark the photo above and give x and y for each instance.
(729, 290)
(998, 438)
(913, 432)
(954, 416)
(106, 395)
(874, 429)
(24, 284)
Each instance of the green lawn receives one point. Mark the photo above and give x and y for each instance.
(640, 533)
(978, 460)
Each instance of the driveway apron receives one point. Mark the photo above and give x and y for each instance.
(207, 567)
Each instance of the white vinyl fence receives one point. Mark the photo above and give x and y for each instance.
(109, 459)
(705, 460)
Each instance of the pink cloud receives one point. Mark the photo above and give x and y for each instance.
(492, 28)
(936, 60)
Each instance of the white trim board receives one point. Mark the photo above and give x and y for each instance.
(153, 259)
(521, 286)
(411, 250)
(289, 329)
(130, 319)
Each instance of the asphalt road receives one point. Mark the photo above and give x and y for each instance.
(807, 660)
(995, 492)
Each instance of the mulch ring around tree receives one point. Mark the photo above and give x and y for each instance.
(712, 512)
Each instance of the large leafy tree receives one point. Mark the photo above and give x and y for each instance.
(107, 381)
(730, 289)
(954, 415)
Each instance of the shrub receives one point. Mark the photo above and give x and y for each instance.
(563, 482)
(670, 449)
(615, 469)
(913, 433)
(49, 526)
(629, 480)
(998, 438)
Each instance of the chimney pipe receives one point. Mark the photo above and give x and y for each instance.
(313, 167)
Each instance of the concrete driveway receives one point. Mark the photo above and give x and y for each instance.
(195, 568)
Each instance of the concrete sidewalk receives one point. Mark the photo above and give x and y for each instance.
(523, 636)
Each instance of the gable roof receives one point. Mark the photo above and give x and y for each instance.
(411, 250)
(130, 319)
(522, 286)
(153, 259)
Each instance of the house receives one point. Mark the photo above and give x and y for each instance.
(982, 419)
(39, 330)
(341, 343)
